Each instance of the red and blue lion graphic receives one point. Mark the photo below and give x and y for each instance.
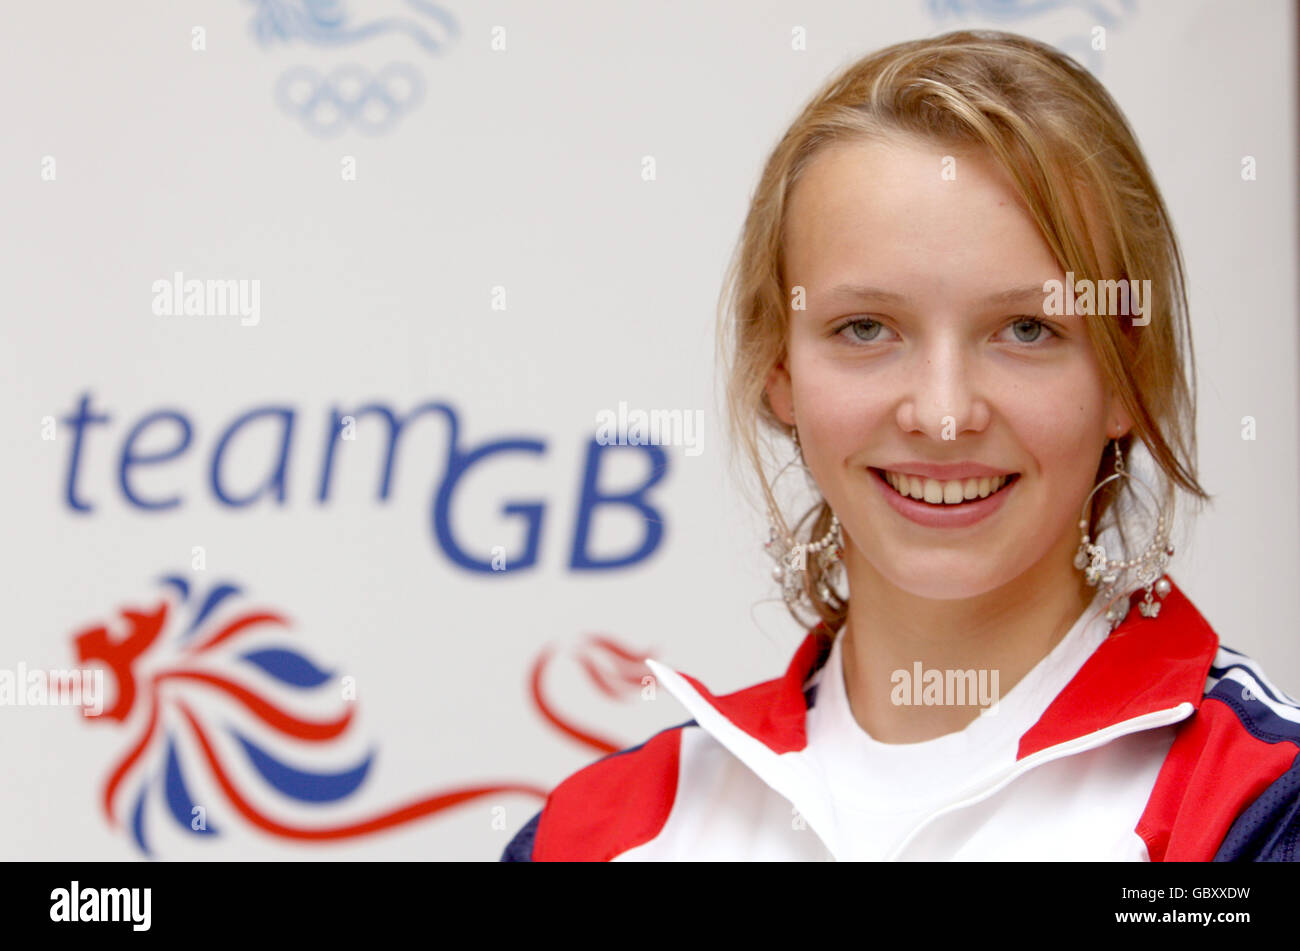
(192, 644)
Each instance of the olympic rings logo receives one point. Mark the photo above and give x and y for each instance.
(350, 95)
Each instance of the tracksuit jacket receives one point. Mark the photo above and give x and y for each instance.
(1165, 746)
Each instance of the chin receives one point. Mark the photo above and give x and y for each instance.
(927, 575)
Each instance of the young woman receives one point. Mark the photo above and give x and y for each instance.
(959, 295)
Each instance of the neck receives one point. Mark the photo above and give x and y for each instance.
(1007, 630)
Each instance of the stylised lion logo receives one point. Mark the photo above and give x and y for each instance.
(190, 645)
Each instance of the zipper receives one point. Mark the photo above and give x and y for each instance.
(1080, 744)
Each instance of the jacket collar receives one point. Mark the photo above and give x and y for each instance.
(1144, 666)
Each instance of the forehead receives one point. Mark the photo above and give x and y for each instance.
(913, 214)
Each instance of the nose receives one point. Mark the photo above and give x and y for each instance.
(943, 393)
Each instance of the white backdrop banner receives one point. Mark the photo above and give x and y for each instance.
(319, 315)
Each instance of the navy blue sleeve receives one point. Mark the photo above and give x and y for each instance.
(1269, 830)
(520, 848)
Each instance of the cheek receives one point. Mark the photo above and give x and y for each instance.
(1060, 423)
(837, 414)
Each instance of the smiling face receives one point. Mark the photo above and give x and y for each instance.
(918, 348)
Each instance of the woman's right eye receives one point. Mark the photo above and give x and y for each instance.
(860, 329)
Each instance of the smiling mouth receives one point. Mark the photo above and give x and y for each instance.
(944, 493)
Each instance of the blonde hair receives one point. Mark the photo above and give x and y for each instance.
(1075, 163)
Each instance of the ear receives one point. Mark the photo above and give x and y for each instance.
(780, 394)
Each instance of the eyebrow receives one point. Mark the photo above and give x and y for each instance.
(867, 292)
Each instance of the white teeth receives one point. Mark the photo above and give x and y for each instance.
(951, 492)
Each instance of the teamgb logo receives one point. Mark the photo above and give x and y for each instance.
(350, 95)
(170, 664)
(177, 663)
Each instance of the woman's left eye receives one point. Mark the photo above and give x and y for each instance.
(1032, 327)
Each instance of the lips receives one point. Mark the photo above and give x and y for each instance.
(945, 515)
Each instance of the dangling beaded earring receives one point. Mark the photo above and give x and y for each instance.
(1148, 567)
(792, 557)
